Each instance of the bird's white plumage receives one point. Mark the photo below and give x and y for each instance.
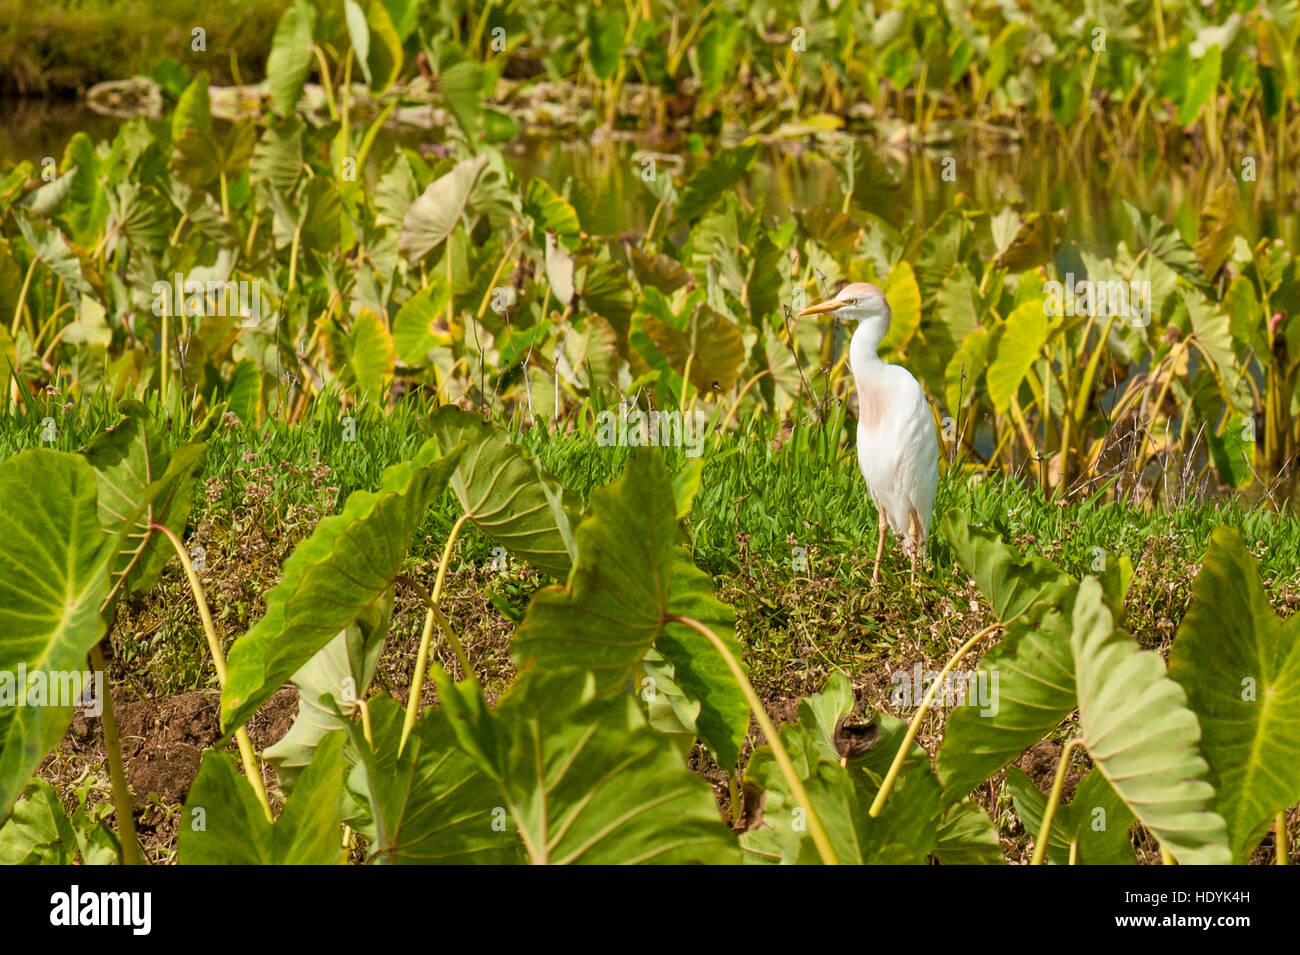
(897, 448)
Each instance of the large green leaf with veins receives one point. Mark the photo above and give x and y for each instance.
(507, 493)
(1033, 664)
(1140, 734)
(142, 482)
(629, 578)
(1091, 829)
(224, 824)
(53, 580)
(1240, 666)
(346, 566)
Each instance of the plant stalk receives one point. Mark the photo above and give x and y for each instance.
(1045, 829)
(122, 802)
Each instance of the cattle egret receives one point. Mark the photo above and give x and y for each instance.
(897, 449)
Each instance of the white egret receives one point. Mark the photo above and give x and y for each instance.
(897, 448)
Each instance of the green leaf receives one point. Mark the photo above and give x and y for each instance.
(291, 55)
(715, 179)
(223, 822)
(1032, 665)
(385, 47)
(967, 836)
(370, 355)
(1094, 824)
(420, 324)
(1202, 87)
(53, 581)
(342, 669)
(1240, 666)
(347, 565)
(605, 30)
(38, 832)
(462, 90)
(589, 782)
(777, 831)
(195, 160)
(431, 804)
(506, 492)
(434, 214)
(712, 345)
(1140, 734)
(1016, 350)
(359, 34)
(617, 598)
(141, 481)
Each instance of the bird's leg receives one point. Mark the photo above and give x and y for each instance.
(914, 541)
(880, 546)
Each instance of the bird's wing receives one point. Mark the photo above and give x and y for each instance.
(899, 455)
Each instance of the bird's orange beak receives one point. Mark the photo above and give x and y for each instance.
(830, 305)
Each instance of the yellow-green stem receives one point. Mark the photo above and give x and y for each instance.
(1283, 842)
(914, 727)
(431, 616)
(823, 844)
(1045, 829)
(252, 769)
(116, 770)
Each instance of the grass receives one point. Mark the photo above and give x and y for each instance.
(781, 521)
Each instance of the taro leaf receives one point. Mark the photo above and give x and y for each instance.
(38, 832)
(605, 31)
(1205, 79)
(434, 214)
(277, 157)
(370, 355)
(431, 804)
(359, 34)
(967, 836)
(551, 212)
(461, 86)
(420, 325)
(342, 669)
(235, 830)
(717, 177)
(1240, 665)
(1217, 228)
(195, 160)
(1032, 665)
(1141, 735)
(347, 565)
(1165, 243)
(53, 581)
(904, 297)
(1016, 350)
(1035, 242)
(711, 345)
(607, 292)
(52, 248)
(628, 578)
(290, 59)
(589, 782)
(1095, 821)
(140, 480)
(385, 47)
(904, 833)
(506, 492)
(559, 270)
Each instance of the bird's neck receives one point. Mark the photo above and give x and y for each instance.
(863, 359)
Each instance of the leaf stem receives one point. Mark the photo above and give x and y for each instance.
(824, 848)
(247, 755)
(1045, 828)
(422, 657)
(116, 769)
(914, 727)
(1283, 843)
